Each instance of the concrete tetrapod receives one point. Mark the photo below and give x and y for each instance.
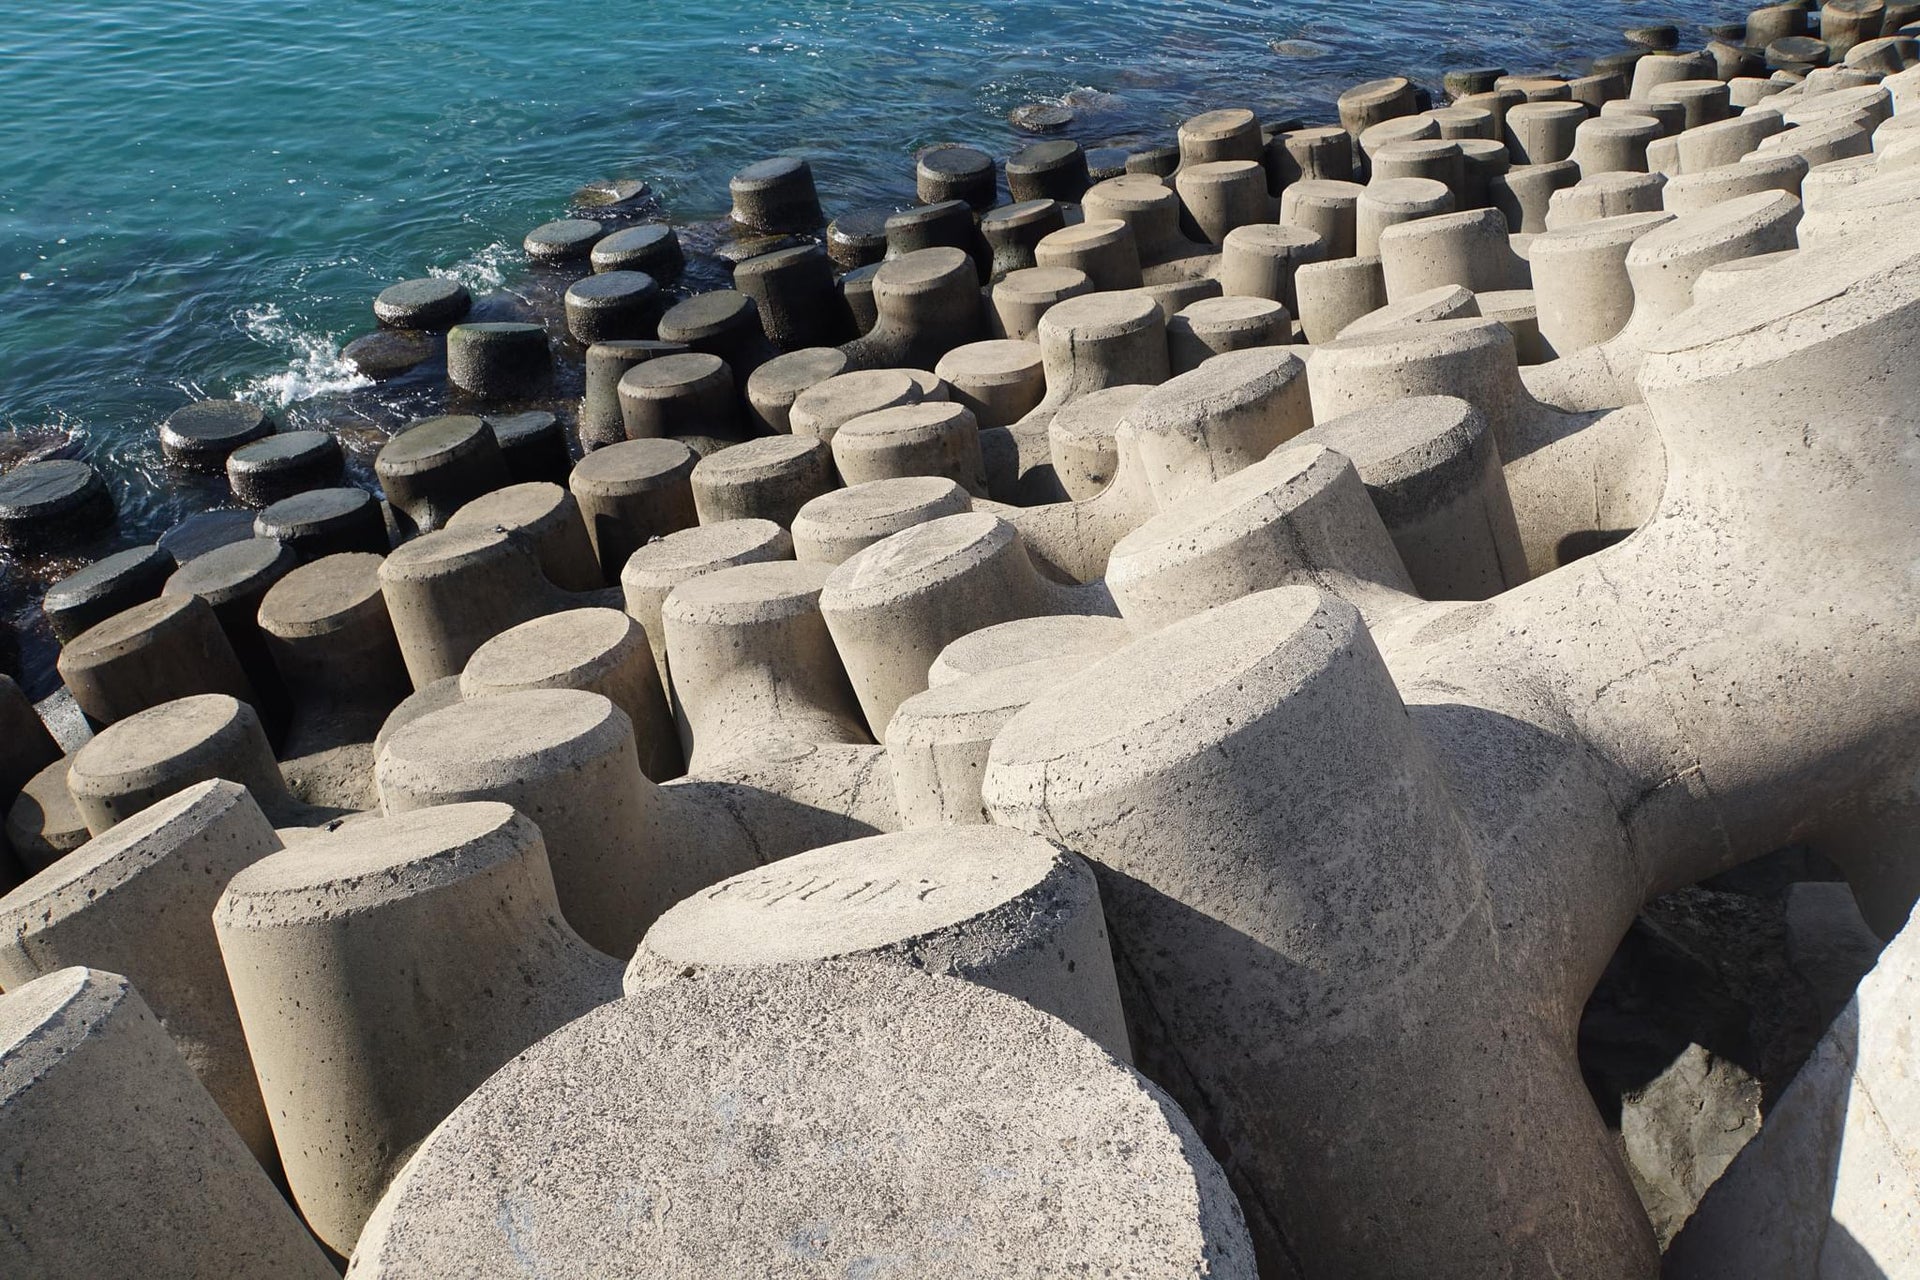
(139, 899)
(118, 1163)
(1565, 751)
(382, 972)
(1092, 1169)
(994, 906)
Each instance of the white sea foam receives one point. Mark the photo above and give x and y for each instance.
(314, 368)
(485, 271)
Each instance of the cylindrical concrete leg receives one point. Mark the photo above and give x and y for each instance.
(752, 660)
(135, 763)
(665, 563)
(1334, 294)
(382, 973)
(167, 648)
(633, 492)
(1430, 466)
(603, 651)
(929, 439)
(140, 899)
(118, 1161)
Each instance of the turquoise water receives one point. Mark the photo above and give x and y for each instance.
(201, 198)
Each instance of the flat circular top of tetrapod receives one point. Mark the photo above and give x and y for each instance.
(518, 506)
(369, 864)
(1223, 385)
(1103, 315)
(43, 1021)
(1716, 224)
(880, 893)
(485, 743)
(708, 315)
(1026, 640)
(222, 424)
(114, 857)
(921, 556)
(633, 243)
(233, 572)
(163, 734)
(427, 303)
(552, 649)
(1442, 302)
(1188, 683)
(446, 550)
(904, 422)
(974, 708)
(1097, 415)
(1230, 311)
(1406, 193)
(994, 362)
(954, 158)
(1036, 156)
(921, 270)
(823, 408)
(149, 564)
(800, 1120)
(288, 447)
(1039, 283)
(706, 544)
(881, 504)
(316, 598)
(1129, 194)
(682, 370)
(1237, 504)
(743, 593)
(1221, 123)
(562, 240)
(1370, 90)
(756, 459)
(431, 441)
(606, 287)
(1581, 237)
(1095, 232)
(631, 466)
(787, 375)
(1022, 214)
(771, 170)
(53, 485)
(1410, 451)
(129, 629)
(314, 508)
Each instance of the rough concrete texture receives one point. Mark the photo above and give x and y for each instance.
(1414, 694)
(382, 972)
(1069, 1161)
(994, 906)
(118, 1163)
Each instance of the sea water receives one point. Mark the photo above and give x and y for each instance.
(200, 197)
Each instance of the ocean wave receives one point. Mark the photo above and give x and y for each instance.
(314, 368)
